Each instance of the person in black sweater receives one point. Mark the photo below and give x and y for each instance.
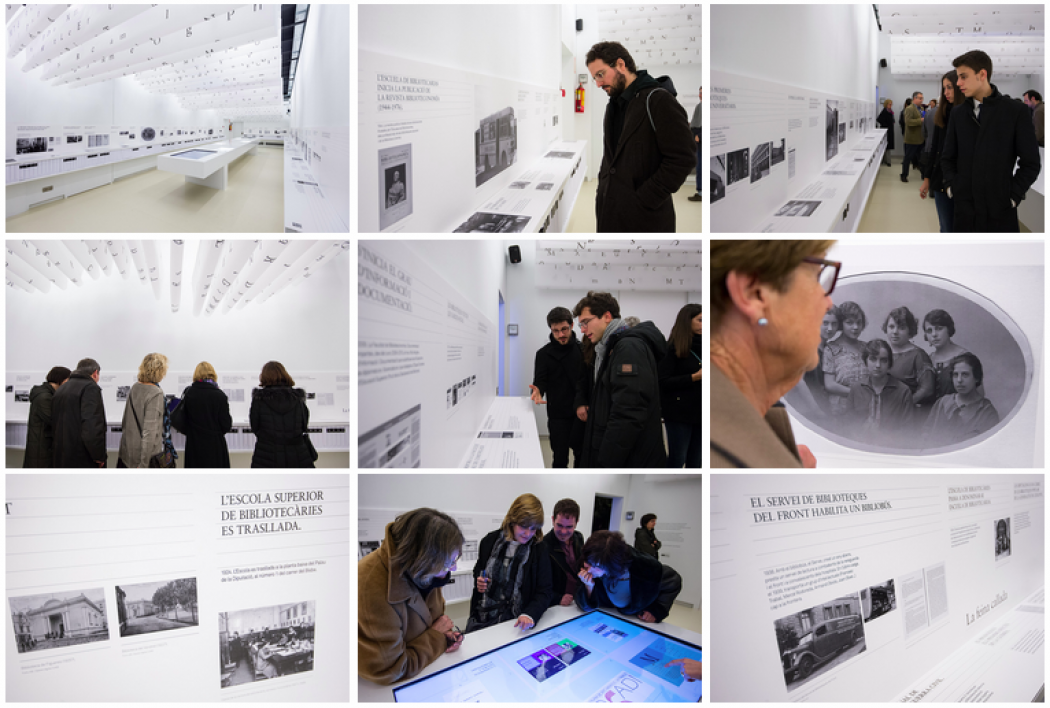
(680, 376)
(558, 366)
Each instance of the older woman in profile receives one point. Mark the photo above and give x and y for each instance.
(769, 298)
(965, 414)
(401, 623)
(203, 416)
(146, 427)
(911, 364)
(938, 328)
(279, 419)
(844, 358)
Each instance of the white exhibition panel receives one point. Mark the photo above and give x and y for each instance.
(308, 206)
(426, 362)
(917, 557)
(781, 150)
(507, 438)
(254, 545)
(456, 134)
(1011, 275)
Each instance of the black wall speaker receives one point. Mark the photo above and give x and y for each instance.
(882, 63)
(515, 254)
(579, 25)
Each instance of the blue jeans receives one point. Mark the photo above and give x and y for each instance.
(683, 443)
(945, 211)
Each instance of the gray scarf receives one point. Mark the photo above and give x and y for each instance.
(599, 349)
(504, 585)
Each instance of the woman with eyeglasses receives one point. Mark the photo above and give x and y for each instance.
(614, 575)
(401, 623)
(512, 577)
(769, 298)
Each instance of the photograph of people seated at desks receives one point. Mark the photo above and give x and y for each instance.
(483, 354)
(266, 642)
(529, 588)
(177, 118)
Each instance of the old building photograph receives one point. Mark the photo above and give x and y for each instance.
(157, 606)
(60, 619)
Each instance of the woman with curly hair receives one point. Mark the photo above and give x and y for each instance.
(911, 364)
(844, 357)
(146, 427)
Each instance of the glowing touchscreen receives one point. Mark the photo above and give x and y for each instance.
(595, 658)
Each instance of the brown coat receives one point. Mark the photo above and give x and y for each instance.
(740, 437)
(639, 174)
(394, 638)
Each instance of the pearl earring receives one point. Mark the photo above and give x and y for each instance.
(762, 322)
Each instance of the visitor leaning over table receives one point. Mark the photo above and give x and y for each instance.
(614, 575)
(401, 623)
(769, 298)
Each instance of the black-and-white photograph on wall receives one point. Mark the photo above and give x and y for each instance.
(718, 178)
(737, 165)
(29, 145)
(395, 174)
(776, 155)
(148, 134)
(760, 162)
(842, 132)
(831, 129)
(1002, 538)
(485, 222)
(946, 366)
(495, 145)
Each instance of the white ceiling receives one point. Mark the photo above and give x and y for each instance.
(988, 19)
(220, 57)
(654, 34)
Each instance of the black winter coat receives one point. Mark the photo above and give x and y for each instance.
(535, 581)
(555, 374)
(79, 420)
(623, 423)
(885, 120)
(645, 541)
(646, 574)
(279, 418)
(645, 167)
(205, 421)
(978, 163)
(931, 167)
(40, 435)
(679, 394)
(560, 563)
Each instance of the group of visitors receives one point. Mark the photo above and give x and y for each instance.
(67, 420)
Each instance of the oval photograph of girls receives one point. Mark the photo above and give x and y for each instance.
(913, 364)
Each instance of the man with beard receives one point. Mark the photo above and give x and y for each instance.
(648, 147)
(558, 366)
(623, 407)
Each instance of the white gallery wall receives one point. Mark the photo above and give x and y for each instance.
(675, 499)
(528, 305)
(117, 321)
(320, 101)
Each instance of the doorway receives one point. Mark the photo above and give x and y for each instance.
(607, 511)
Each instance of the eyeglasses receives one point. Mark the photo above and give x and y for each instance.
(829, 272)
(562, 330)
(586, 322)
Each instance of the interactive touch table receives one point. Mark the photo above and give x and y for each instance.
(208, 167)
(594, 657)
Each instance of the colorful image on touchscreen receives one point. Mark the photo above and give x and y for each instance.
(541, 665)
(613, 635)
(661, 651)
(568, 651)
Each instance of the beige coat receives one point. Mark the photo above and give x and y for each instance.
(144, 438)
(740, 437)
(394, 638)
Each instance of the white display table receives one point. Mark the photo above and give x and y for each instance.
(507, 437)
(208, 166)
(485, 640)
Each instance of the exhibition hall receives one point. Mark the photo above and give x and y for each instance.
(530, 354)
(891, 588)
(877, 118)
(178, 119)
(170, 353)
(500, 118)
(534, 588)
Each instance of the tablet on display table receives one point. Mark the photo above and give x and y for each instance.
(594, 658)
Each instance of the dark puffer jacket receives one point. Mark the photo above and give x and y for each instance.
(205, 421)
(623, 423)
(679, 394)
(279, 417)
(40, 436)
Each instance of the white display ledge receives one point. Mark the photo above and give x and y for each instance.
(326, 437)
(539, 198)
(1002, 664)
(208, 166)
(834, 201)
(507, 438)
(69, 175)
(306, 209)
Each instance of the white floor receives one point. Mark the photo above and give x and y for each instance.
(163, 202)
(688, 215)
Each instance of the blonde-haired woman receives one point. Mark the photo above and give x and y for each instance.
(203, 416)
(512, 577)
(145, 440)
